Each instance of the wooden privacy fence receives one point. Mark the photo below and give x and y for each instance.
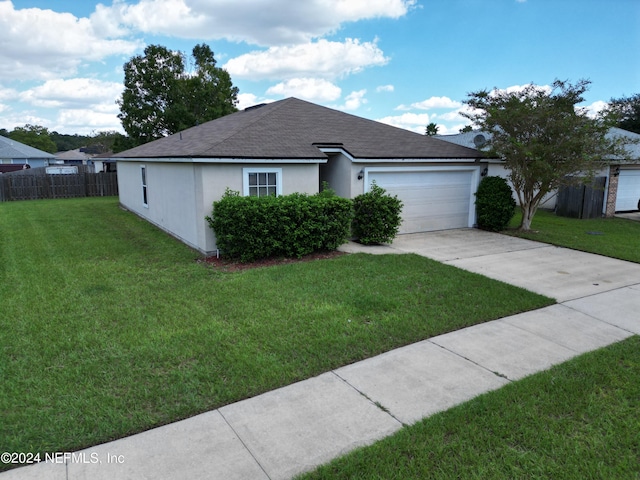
(35, 184)
(582, 201)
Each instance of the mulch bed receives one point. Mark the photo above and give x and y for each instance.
(235, 266)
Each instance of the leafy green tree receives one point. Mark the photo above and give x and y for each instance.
(431, 130)
(4, 132)
(628, 111)
(466, 129)
(545, 140)
(161, 97)
(66, 142)
(35, 136)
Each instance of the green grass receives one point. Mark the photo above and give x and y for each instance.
(611, 237)
(109, 327)
(578, 420)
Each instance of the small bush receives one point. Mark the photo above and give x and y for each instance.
(252, 228)
(376, 216)
(495, 205)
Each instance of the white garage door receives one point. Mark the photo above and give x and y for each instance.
(433, 200)
(628, 190)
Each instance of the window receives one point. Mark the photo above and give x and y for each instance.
(262, 182)
(143, 171)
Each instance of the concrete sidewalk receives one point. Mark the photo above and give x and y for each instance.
(293, 429)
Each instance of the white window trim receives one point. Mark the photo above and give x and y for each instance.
(144, 182)
(248, 170)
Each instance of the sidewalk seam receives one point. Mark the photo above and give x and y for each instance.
(497, 374)
(378, 405)
(630, 332)
(598, 293)
(244, 444)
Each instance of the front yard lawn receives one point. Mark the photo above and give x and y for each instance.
(578, 420)
(611, 237)
(109, 327)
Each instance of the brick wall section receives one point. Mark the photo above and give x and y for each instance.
(613, 190)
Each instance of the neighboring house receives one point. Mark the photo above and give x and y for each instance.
(104, 163)
(294, 146)
(73, 157)
(622, 187)
(16, 153)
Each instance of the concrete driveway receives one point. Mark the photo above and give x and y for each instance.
(559, 273)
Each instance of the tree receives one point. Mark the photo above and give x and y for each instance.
(628, 111)
(35, 136)
(466, 129)
(161, 97)
(66, 142)
(431, 130)
(544, 139)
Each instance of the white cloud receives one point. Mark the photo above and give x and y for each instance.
(416, 122)
(519, 88)
(450, 130)
(354, 100)
(7, 94)
(76, 92)
(86, 121)
(79, 105)
(384, 88)
(44, 44)
(323, 59)
(595, 108)
(280, 22)
(12, 119)
(315, 89)
(430, 103)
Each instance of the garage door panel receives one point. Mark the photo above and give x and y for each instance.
(432, 200)
(628, 190)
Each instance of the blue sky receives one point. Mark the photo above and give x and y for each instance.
(403, 62)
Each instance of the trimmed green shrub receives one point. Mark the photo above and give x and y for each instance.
(495, 205)
(376, 216)
(252, 228)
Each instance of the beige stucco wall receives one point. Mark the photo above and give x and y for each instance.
(171, 196)
(337, 173)
(214, 179)
(181, 195)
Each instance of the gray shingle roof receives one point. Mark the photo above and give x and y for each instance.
(16, 150)
(294, 129)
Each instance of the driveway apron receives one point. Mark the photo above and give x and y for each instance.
(559, 273)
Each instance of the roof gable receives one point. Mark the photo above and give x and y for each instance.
(294, 129)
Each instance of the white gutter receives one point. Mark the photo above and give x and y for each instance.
(268, 161)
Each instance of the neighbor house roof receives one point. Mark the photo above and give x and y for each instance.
(295, 129)
(633, 146)
(471, 139)
(16, 150)
(73, 155)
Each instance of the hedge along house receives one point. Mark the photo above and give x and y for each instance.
(294, 146)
